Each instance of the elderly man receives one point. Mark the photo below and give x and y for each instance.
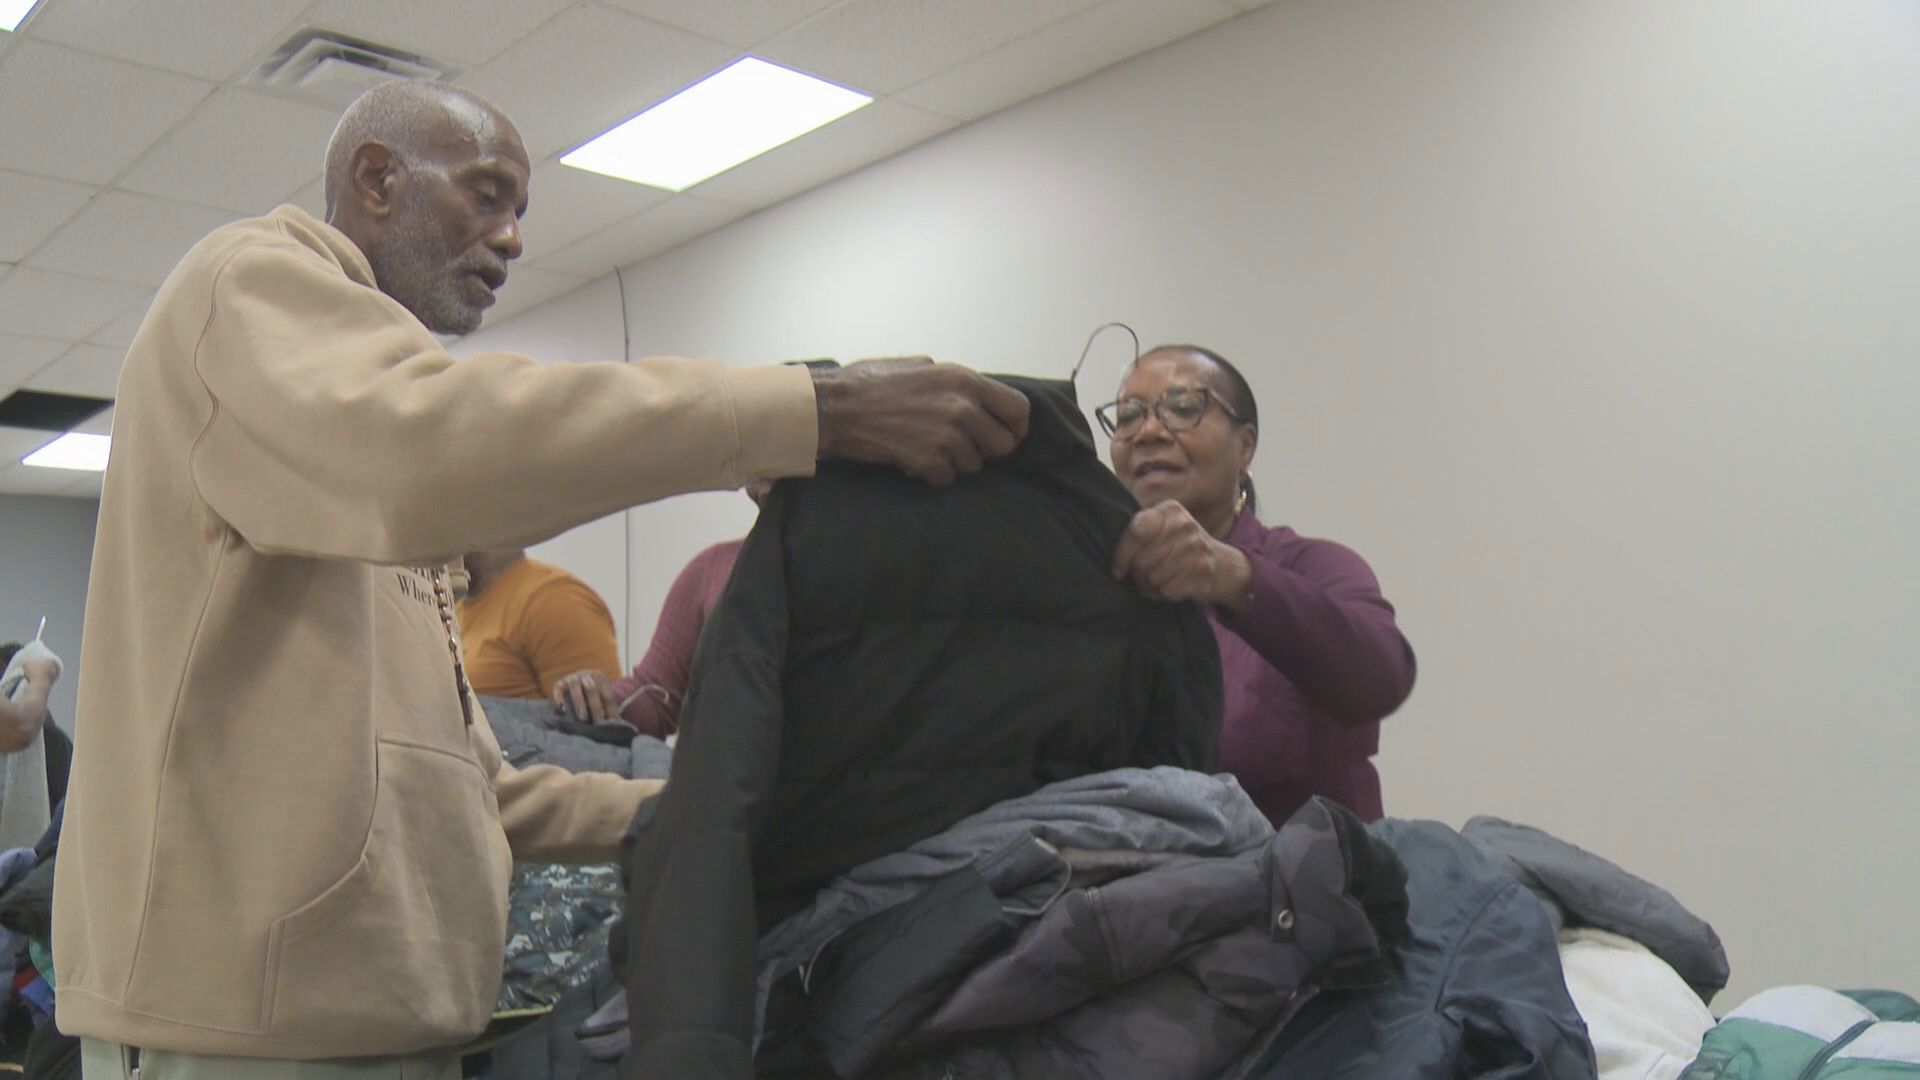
(289, 831)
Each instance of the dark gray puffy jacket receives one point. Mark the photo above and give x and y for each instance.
(1042, 960)
(1579, 888)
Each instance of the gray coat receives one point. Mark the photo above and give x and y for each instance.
(1138, 923)
(527, 737)
(1580, 888)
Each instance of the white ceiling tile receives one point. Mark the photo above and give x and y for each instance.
(16, 443)
(20, 356)
(97, 425)
(242, 151)
(84, 117)
(210, 40)
(128, 237)
(745, 23)
(566, 204)
(587, 70)
(89, 370)
(860, 138)
(38, 303)
(35, 206)
(1067, 51)
(119, 333)
(529, 287)
(662, 228)
(469, 34)
(880, 46)
(1249, 5)
(19, 479)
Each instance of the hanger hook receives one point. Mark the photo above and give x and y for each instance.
(1095, 336)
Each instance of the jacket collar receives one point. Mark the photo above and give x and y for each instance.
(1056, 431)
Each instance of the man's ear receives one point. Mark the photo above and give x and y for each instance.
(376, 179)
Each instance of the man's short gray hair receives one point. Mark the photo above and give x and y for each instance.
(397, 114)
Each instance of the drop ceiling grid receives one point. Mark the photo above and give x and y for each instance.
(187, 144)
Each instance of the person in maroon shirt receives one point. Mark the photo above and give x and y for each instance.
(650, 696)
(1309, 650)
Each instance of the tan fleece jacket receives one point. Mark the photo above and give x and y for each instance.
(284, 837)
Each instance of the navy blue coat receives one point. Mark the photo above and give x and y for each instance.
(1479, 991)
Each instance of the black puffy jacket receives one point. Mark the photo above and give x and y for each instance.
(887, 659)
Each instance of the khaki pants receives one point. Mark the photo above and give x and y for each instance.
(110, 1061)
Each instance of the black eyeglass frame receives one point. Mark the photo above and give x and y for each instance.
(1108, 414)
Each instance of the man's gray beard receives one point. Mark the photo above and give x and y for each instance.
(414, 267)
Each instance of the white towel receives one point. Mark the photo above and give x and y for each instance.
(1645, 1022)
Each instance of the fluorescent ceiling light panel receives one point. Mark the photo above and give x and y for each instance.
(14, 12)
(88, 453)
(739, 112)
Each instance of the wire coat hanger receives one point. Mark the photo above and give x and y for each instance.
(1074, 375)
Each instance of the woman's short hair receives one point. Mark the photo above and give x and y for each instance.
(1238, 392)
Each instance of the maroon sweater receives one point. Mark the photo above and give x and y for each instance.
(1311, 667)
(658, 683)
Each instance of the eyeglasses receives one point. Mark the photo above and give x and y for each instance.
(1178, 410)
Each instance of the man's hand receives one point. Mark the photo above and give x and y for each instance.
(41, 674)
(587, 695)
(1171, 557)
(932, 421)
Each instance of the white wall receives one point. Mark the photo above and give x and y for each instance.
(1592, 325)
(46, 553)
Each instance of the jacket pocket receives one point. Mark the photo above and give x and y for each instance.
(404, 952)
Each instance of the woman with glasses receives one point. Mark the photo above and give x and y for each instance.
(1309, 650)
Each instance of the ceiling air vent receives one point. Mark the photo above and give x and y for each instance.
(334, 68)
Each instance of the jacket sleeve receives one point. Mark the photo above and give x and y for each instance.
(690, 885)
(339, 428)
(1324, 624)
(1188, 698)
(552, 815)
(568, 629)
(1507, 997)
(669, 660)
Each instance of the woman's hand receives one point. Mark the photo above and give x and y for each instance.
(587, 695)
(1171, 557)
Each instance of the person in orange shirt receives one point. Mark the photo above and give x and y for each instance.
(524, 625)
